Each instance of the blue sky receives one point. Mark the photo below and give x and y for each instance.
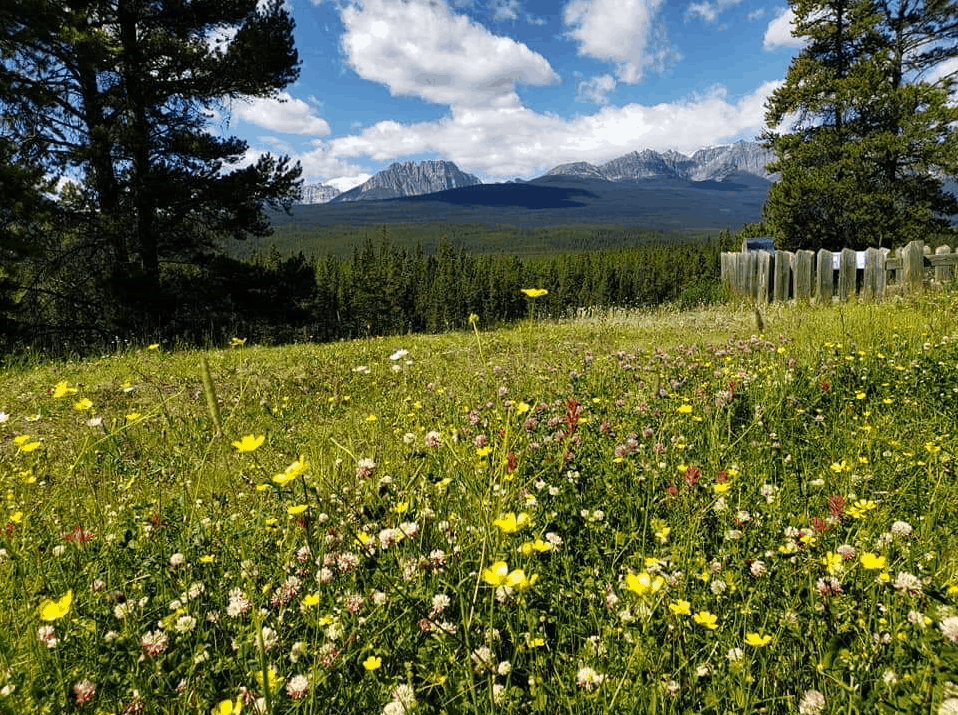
(512, 88)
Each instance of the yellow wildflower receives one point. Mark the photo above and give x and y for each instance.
(511, 523)
(681, 607)
(534, 292)
(62, 389)
(872, 562)
(55, 610)
(756, 640)
(643, 583)
(496, 574)
(249, 443)
(706, 620)
(372, 663)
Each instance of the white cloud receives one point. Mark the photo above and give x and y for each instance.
(281, 114)
(778, 34)
(517, 141)
(625, 32)
(504, 10)
(756, 14)
(421, 48)
(595, 89)
(709, 11)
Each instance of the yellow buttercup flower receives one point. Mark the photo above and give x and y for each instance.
(273, 680)
(496, 574)
(756, 640)
(643, 583)
(62, 389)
(83, 404)
(518, 580)
(296, 510)
(872, 562)
(229, 707)
(534, 292)
(833, 562)
(706, 620)
(292, 471)
(310, 600)
(537, 546)
(55, 610)
(511, 523)
(372, 663)
(249, 443)
(681, 607)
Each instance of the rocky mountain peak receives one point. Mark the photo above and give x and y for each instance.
(410, 178)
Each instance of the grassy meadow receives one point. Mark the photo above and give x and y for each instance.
(649, 512)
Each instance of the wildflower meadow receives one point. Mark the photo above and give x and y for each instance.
(649, 512)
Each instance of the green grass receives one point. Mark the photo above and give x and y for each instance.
(656, 512)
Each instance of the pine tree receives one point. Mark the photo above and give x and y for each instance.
(120, 95)
(871, 135)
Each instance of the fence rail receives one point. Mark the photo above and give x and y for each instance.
(806, 276)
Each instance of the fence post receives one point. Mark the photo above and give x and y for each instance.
(873, 285)
(824, 283)
(783, 268)
(913, 260)
(847, 270)
(750, 275)
(802, 272)
(763, 273)
(943, 274)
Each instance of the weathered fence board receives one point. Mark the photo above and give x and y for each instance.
(825, 276)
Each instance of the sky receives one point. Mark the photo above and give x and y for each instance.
(512, 88)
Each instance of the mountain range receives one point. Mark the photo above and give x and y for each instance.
(406, 179)
(714, 188)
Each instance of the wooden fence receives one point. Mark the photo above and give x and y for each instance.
(825, 276)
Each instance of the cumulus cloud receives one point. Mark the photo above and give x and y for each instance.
(281, 114)
(756, 14)
(517, 141)
(778, 34)
(595, 89)
(421, 48)
(624, 32)
(709, 11)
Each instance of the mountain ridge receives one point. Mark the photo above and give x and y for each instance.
(409, 178)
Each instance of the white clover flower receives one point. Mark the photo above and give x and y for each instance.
(949, 628)
(908, 583)
(267, 638)
(184, 624)
(297, 686)
(588, 678)
(47, 635)
(901, 528)
(812, 703)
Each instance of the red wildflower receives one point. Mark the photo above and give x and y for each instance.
(692, 476)
(819, 524)
(836, 505)
(78, 534)
(672, 490)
